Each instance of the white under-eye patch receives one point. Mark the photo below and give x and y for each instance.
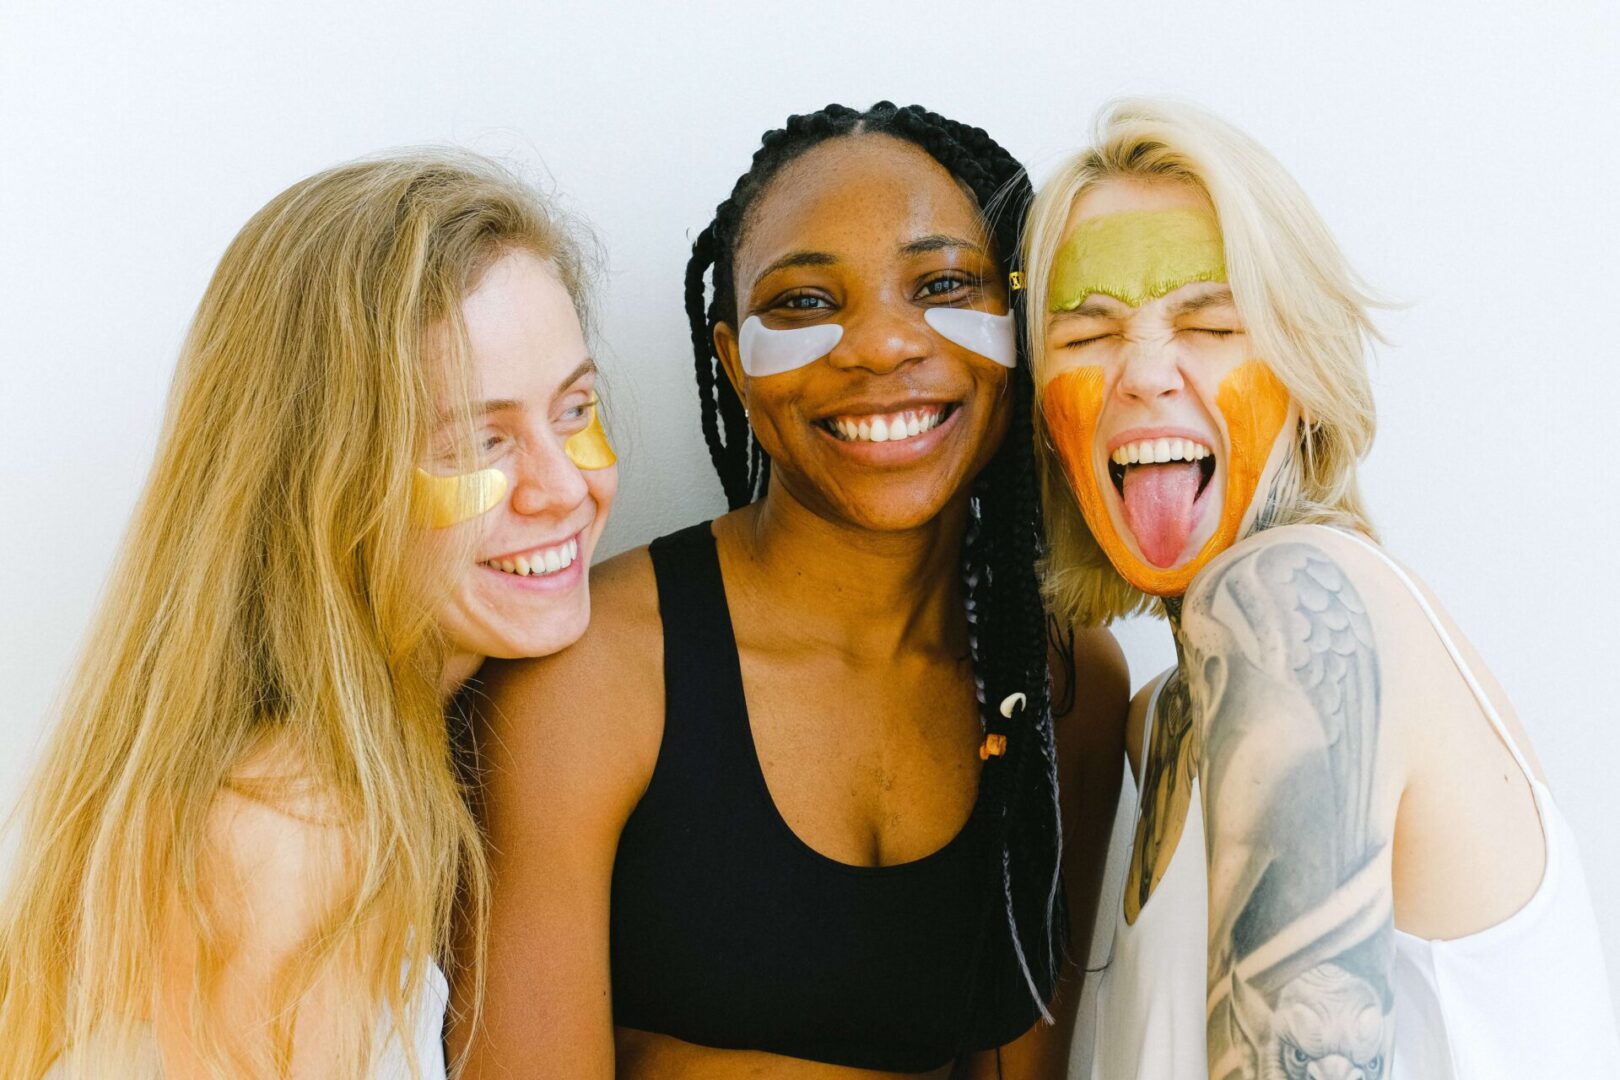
(770, 352)
(993, 337)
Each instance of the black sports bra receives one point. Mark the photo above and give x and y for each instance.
(729, 931)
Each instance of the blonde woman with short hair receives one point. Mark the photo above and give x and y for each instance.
(381, 463)
(1346, 861)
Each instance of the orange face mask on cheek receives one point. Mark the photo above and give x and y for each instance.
(1254, 404)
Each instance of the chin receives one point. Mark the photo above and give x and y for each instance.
(541, 633)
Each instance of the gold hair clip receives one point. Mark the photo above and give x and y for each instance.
(1016, 280)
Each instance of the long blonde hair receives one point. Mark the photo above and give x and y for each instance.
(1303, 307)
(271, 590)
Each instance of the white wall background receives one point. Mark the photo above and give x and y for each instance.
(1466, 155)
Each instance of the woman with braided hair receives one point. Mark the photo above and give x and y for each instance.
(809, 825)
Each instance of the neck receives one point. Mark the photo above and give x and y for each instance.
(458, 668)
(872, 593)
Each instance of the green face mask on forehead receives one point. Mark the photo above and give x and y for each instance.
(1136, 256)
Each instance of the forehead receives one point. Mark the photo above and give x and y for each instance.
(1126, 195)
(521, 326)
(854, 192)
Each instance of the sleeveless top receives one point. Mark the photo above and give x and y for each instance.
(728, 931)
(427, 1038)
(1528, 997)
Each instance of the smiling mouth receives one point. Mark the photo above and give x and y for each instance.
(886, 427)
(1161, 484)
(540, 562)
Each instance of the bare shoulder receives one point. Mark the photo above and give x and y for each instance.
(275, 860)
(589, 719)
(1287, 544)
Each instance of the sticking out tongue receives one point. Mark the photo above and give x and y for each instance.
(1159, 508)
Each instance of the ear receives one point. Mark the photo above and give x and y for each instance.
(725, 347)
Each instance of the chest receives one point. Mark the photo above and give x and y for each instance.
(868, 764)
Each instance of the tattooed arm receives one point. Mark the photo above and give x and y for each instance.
(1299, 795)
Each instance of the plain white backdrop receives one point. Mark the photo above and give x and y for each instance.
(1465, 154)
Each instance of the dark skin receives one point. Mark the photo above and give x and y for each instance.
(844, 588)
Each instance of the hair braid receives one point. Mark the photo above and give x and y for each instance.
(1007, 621)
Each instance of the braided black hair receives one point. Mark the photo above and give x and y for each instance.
(1006, 620)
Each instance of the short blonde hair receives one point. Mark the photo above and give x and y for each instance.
(1305, 310)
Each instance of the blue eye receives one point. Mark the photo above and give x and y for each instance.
(578, 412)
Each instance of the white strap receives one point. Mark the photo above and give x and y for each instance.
(1451, 647)
(1147, 734)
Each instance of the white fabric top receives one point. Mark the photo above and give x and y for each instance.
(426, 1036)
(1528, 997)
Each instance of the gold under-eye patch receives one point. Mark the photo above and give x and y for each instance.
(1136, 256)
(589, 448)
(449, 500)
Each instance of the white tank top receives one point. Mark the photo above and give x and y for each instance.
(1526, 999)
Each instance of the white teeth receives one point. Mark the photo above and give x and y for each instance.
(892, 427)
(549, 561)
(1157, 451)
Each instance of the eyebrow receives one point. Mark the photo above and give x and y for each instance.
(1213, 298)
(798, 258)
(495, 405)
(586, 366)
(939, 242)
(1089, 309)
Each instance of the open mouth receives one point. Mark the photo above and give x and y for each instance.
(1161, 484)
(887, 427)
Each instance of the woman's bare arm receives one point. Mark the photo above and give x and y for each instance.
(1300, 780)
(566, 745)
(271, 871)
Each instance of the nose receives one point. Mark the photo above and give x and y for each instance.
(1151, 372)
(546, 482)
(881, 337)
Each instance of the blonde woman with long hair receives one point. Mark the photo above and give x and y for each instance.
(1346, 861)
(381, 463)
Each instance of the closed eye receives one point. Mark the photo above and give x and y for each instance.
(1212, 331)
(1080, 343)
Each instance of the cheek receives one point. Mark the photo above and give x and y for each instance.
(1256, 407)
(1072, 404)
(603, 486)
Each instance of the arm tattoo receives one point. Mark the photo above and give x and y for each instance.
(1284, 680)
(1163, 773)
